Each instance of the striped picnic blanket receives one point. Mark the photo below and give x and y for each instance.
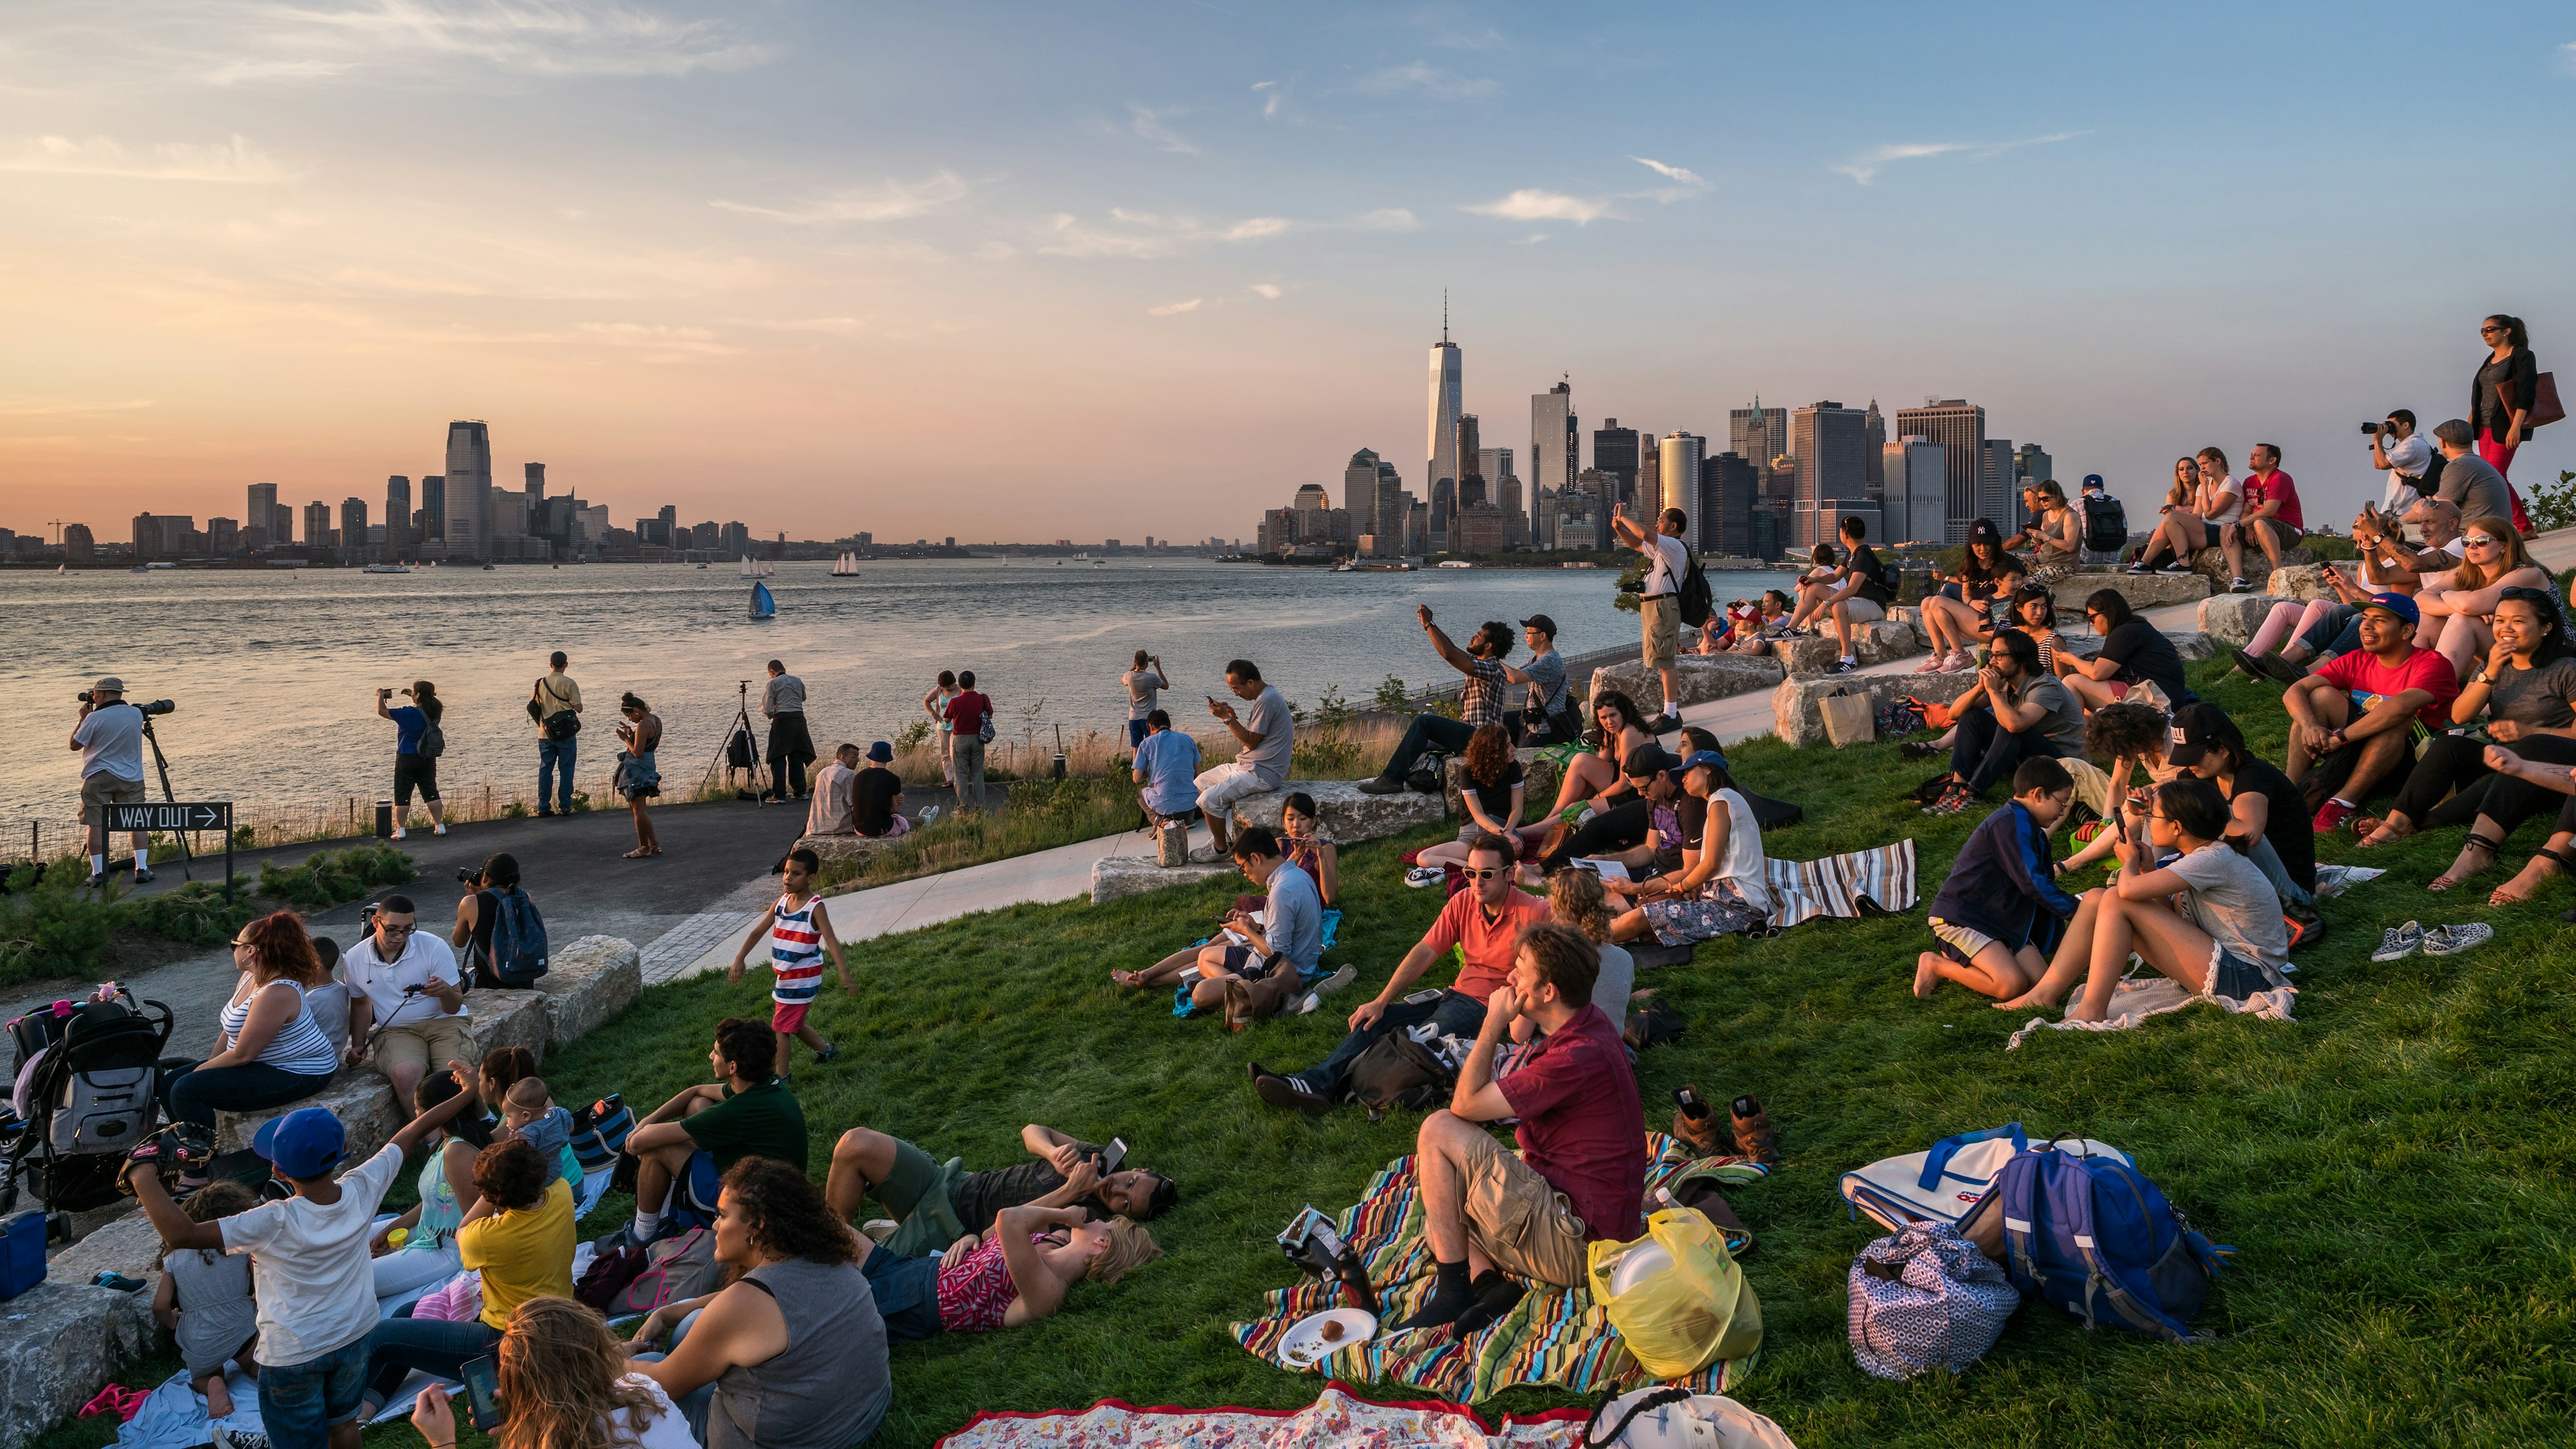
(1557, 1337)
(1802, 890)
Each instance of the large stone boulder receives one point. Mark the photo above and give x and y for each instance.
(126, 1245)
(834, 850)
(2304, 582)
(362, 1100)
(1874, 643)
(1539, 779)
(2231, 619)
(1797, 719)
(2211, 564)
(2143, 591)
(1702, 677)
(497, 1018)
(1348, 813)
(1114, 877)
(588, 982)
(59, 1342)
(2191, 644)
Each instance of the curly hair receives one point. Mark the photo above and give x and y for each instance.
(562, 1375)
(1575, 897)
(281, 951)
(750, 1045)
(1617, 700)
(1489, 754)
(512, 1174)
(787, 1214)
(2125, 731)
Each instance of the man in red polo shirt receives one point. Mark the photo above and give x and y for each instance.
(1484, 922)
(1492, 1218)
(2271, 515)
(2354, 723)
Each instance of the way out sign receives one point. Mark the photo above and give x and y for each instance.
(180, 818)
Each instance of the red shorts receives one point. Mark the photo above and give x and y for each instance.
(2118, 690)
(788, 1018)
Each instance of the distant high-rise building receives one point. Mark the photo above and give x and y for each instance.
(1758, 434)
(735, 541)
(1915, 497)
(163, 535)
(1472, 484)
(1615, 456)
(1874, 447)
(1826, 438)
(1999, 491)
(263, 510)
(2031, 464)
(1394, 509)
(536, 489)
(1678, 467)
(1444, 508)
(353, 522)
(1730, 490)
(397, 514)
(1495, 465)
(703, 536)
(78, 545)
(1555, 451)
(1448, 390)
(1359, 490)
(469, 490)
(1960, 428)
(433, 506)
(317, 524)
(1647, 499)
(223, 537)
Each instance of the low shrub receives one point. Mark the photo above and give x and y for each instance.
(326, 878)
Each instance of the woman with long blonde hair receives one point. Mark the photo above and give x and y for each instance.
(2459, 620)
(564, 1380)
(2190, 525)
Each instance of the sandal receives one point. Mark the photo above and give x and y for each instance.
(2455, 875)
(636, 854)
(2561, 866)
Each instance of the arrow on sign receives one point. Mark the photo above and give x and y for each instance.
(204, 817)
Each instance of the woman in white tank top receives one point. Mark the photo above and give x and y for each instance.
(273, 1053)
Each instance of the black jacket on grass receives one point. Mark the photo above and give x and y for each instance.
(2002, 877)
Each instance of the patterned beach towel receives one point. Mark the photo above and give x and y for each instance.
(2142, 996)
(1802, 890)
(1556, 1338)
(1336, 1420)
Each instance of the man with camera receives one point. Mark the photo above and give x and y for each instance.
(406, 991)
(2414, 470)
(110, 739)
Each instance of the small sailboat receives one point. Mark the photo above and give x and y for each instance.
(762, 605)
(757, 568)
(846, 567)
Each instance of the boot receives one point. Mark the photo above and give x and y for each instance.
(1753, 1135)
(1699, 1132)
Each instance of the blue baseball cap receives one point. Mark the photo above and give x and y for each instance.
(1698, 758)
(2092, 480)
(2397, 604)
(303, 1143)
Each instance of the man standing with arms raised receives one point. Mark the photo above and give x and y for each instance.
(555, 704)
(110, 739)
(791, 745)
(1659, 599)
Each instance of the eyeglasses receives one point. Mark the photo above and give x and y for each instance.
(388, 928)
(1484, 873)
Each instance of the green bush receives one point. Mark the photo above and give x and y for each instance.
(326, 878)
(2331, 546)
(195, 913)
(52, 924)
(2553, 505)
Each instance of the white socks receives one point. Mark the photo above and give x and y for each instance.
(142, 858)
(98, 865)
(646, 1225)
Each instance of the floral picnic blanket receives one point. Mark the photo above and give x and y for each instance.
(1336, 1420)
(1557, 1337)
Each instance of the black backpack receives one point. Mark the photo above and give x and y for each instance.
(1697, 606)
(433, 741)
(2106, 525)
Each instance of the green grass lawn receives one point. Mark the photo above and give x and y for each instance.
(2393, 1169)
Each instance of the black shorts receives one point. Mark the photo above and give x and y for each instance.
(412, 771)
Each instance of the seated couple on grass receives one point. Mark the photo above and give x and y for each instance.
(2323, 628)
(684, 1149)
(1719, 885)
(936, 1205)
(1250, 969)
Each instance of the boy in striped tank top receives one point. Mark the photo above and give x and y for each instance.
(799, 933)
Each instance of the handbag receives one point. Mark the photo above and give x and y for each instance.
(1925, 1298)
(2545, 407)
(680, 1267)
(1676, 1418)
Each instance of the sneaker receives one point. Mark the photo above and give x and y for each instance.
(2238, 585)
(1381, 786)
(224, 1436)
(1844, 665)
(1422, 877)
(2177, 566)
(1953, 800)
(2138, 567)
(830, 1053)
(1931, 664)
(1281, 1091)
(880, 1229)
(1665, 723)
(399, 833)
(1961, 661)
(929, 813)
(142, 877)
(2398, 942)
(438, 830)
(2331, 816)
(110, 1278)
(1326, 987)
(2452, 940)
(96, 879)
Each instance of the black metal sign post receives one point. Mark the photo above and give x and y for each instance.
(180, 818)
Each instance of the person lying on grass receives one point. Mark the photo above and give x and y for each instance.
(1483, 922)
(1017, 1274)
(2353, 723)
(1985, 915)
(2208, 919)
(1277, 959)
(1723, 887)
(2527, 695)
(935, 1206)
(690, 1142)
(1492, 1218)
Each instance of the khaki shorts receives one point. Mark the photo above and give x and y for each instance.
(1663, 621)
(425, 1044)
(1516, 1219)
(2092, 785)
(1862, 611)
(103, 789)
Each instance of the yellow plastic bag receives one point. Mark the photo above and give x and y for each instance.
(1676, 1295)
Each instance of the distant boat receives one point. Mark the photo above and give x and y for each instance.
(491, 568)
(762, 605)
(757, 568)
(386, 568)
(847, 567)
(702, 566)
(1455, 563)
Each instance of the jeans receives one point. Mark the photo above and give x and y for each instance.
(966, 757)
(693, 1404)
(1136, 730)
(190, 1093)
(299, 1402)
(551, 756)
(434, 1346)
(2338, 631)
(1427, 731)
(1455, 1015)
(2268, 861)
(1985, 751)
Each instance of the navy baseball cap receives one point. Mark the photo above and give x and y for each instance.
(1983, 530)
(2092, 480)
(2397, 604)
(1698, 758)
(1541, 623)
(303, 1143)
(881, 752)
(1647, 759)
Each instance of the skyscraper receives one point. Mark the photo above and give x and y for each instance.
(317, 524)
(263, 510)
(433, 506)
(1832, 475)
(2031, 464)
(1472, 486)
(1998, 491)
(1914, 500)
(1444, 511)
(1495, 464)
(1448, 389)
(353, 523)
(1730, 491)
(1681, 455)
(1553, 446)
(1646, 499)
(1960, 428)
(1614, 456)
(1874, 448)
(1758, 434)
(469, 490)
(397, 515)
(1359, 490)
(536, 475)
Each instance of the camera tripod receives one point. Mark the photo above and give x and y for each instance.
(738, 728)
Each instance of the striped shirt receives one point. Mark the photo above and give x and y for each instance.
(795, 952)
(299, 1046)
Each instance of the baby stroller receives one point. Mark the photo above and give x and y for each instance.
(86, 1076)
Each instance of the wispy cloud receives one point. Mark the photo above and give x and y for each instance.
(1391, 218)
(1147, 236)
(1532, 204)
(285, 41)
(1682, 174)
(1149, 124)
(232, 161)
(1866, 166)
(888, 200)
(1174, 309)
(1268, 291)
(1273, 96)
(1429, 80)
(46, 407)
(654, 338)
(2567, 58)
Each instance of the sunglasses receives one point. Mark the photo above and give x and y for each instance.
(2484, 331)
(238, 943)
(390, 929)
(2478, 540)
(1481, 872)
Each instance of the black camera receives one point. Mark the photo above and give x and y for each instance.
(2375, 429)
(469, 875)
(158, 706)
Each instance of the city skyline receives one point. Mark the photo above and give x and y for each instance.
(769, 263)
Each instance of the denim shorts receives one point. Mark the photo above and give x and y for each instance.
(2232, 976)
(299, 1402)
(907, 1292)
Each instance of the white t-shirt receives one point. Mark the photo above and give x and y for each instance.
(111, 740)
(309, 1265)
(1743, 867)
(668, 1428)
(1664, 571)
(2233, 902)
(423, 957)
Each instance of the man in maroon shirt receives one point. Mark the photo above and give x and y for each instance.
(967, 711)
(1483, 921)
(2271, 514)
(1492, 1217)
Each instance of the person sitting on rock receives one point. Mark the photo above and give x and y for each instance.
(1492, 1218)
(1770, 624)
(1165, 768)
(1857, 592)
(1984, 917)
(2459, 615)
(1592, 779)
(1961, 614)
(2134, 652)
(1491, 791)
(935, 1206)
(2353, 724)
(1480, 699)
(1249, 969)
(2187, 528)
(830, 811)
(1481, 922)
(876, 797)
(1724, 887)
(2305, 631)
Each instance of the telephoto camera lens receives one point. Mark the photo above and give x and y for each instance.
(468, 875)
(160, 706)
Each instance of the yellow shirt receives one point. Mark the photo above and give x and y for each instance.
(556, 692)
(522, 1254)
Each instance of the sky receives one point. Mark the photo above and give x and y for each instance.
(1022, 271)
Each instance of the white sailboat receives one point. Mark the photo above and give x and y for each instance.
(847, 567)
(757, 568)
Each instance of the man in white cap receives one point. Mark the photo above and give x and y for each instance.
(110, 739)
